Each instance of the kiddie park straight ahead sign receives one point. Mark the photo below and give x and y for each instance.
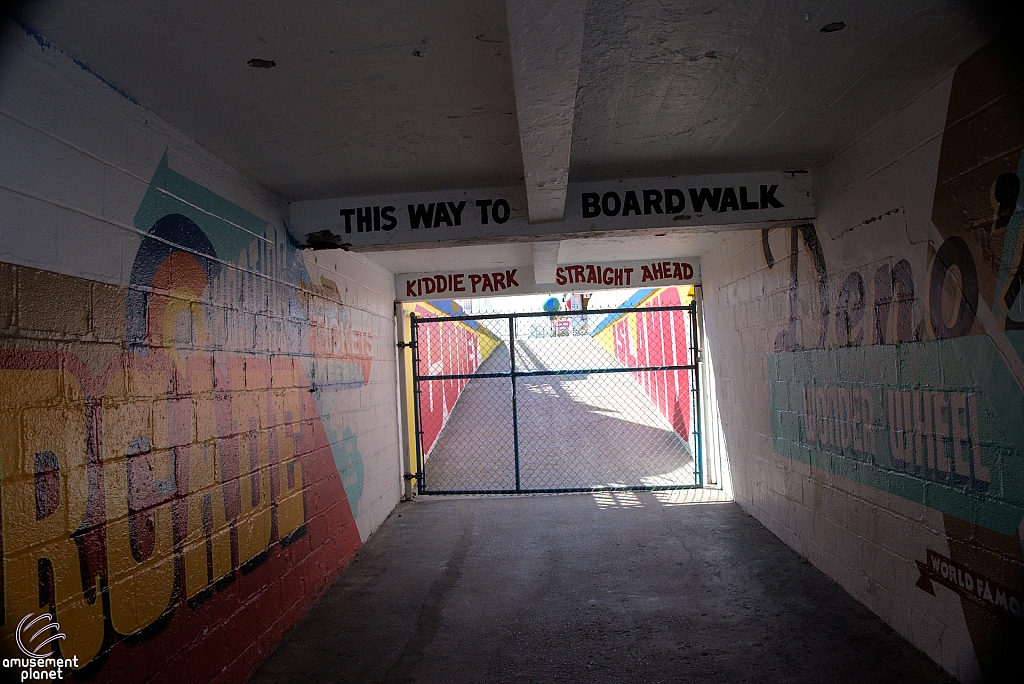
(586, 277)
(389, 221)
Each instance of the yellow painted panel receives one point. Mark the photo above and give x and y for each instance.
(249, 410)
(205, 488)
(34, 428)
(288, 410)
(135, 425)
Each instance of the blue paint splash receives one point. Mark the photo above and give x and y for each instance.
(45, 44)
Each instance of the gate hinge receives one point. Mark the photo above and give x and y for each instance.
(403, 345)
(410, 476)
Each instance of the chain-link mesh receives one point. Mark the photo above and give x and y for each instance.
(573, 401)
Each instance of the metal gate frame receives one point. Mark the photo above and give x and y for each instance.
(695, 355)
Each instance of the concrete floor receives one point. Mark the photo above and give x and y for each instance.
(577, 431)
(609, 587)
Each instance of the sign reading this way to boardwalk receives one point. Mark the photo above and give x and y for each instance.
(580, 277)
(388, 221)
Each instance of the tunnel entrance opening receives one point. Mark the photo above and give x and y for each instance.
(541, 403)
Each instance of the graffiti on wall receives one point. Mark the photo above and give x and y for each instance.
(918, 391)
(143, 483)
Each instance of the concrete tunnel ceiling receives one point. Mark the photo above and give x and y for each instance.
(364, 98)
(416, 96)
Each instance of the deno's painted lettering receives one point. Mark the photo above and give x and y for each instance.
(931, 434)
(935, 434)
(967, 583)
(840, 418)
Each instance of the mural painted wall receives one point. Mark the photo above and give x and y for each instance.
(886, 443)
(197, 424)
(656, 339)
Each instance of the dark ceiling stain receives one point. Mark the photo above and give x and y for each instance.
(325, 239)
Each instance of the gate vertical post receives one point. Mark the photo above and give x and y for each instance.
(405, 434)
(695, 357)
(414, 339)
(515, 406)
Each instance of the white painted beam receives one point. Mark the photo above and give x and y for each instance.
(545, 261)
(490, 215)
(547, 42)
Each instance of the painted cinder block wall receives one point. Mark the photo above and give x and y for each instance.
(869, 369)
(198, 421)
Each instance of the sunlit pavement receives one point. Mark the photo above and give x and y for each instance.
(577, 431)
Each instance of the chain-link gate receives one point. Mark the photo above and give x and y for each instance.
(566, 402)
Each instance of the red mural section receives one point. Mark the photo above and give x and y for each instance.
(208, 530)
(173, 506)
(659, 338)
(445, 348)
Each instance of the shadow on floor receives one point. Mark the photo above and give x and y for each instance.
(616, 587)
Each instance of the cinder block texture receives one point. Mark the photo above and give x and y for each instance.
(173, 430)
(871, 369)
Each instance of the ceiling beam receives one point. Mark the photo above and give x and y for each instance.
(545, 261)
(547, 42)
(489, 215)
